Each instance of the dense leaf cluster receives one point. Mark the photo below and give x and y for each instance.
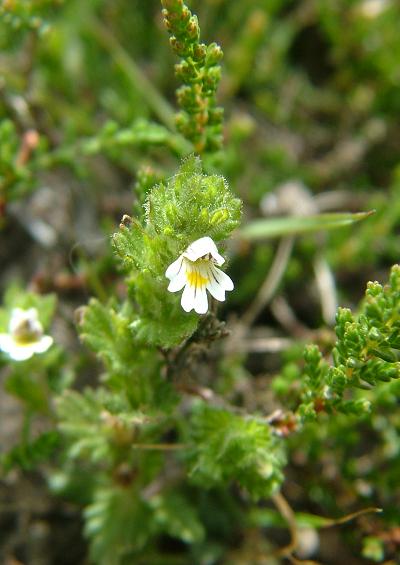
(228, 446)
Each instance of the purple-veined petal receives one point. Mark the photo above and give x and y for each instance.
(223, 279)
(215, 289)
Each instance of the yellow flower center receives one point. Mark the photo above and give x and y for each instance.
(26, 333)
(194, 278)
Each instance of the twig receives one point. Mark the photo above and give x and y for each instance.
(288, 514)
(290, 517)
(329, 522)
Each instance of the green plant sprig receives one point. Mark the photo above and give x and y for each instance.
(200, 119)
(366, 353)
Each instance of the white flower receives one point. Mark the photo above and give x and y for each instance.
(196, 270)
(25, 335)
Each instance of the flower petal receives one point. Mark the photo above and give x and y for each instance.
(200, 300)
(222, 278)
(178, 282)
(202, 247)
(214, 288)
(6, 342)
(28, 318)
(174, 268)
(22, 352)
(43, 344)
(188, 298)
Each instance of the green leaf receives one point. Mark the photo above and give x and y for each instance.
(269, 517)
(106, 331)
(174, 515)
(228, 447)
(124, 346)
(82, 424)
(292, 225)
(96, 422)
(118, 523)
(162, 321)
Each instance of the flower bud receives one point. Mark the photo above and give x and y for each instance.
(214, 55)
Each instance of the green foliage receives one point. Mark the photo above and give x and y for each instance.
(191, 205)
(161, 320)
(229, 447)
(111, 138)
(174, 515)
(188, 206)
(200, 120)
(367, 347)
